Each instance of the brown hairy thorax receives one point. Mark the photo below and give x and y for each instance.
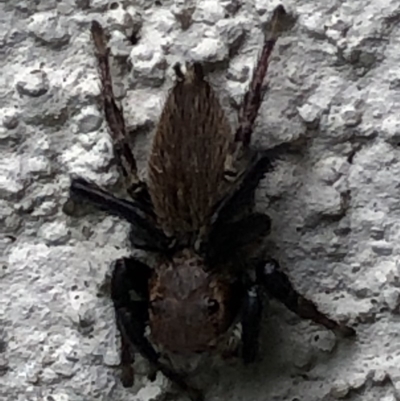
(190, 308)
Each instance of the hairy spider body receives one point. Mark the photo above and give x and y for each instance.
(186, 181)
(186, 165)
(182, 293)
(196, 212)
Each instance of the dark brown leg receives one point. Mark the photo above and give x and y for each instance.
(114, 115)
(127, 359)
(278, 286)
(231, 239)
(251, 323)
(131, 276)
(254, 95)
(144, 234)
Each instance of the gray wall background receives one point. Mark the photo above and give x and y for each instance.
(334, 75)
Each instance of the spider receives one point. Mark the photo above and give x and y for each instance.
(195, 212)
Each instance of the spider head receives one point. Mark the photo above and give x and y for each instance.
(190, 308)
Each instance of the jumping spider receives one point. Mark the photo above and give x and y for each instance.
(196, 213)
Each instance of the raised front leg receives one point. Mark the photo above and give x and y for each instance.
(129, 292)
(115, 118)
(278, 285)
(254, 95)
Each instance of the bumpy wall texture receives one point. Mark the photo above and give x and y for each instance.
(334, 77)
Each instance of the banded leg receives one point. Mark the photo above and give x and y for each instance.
(129, 276)
(277, 285)
(254, 95)
(114, 116)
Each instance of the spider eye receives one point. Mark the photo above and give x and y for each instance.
(213, 306)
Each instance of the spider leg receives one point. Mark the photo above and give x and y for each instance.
(278, 286)
(231, 240)
(131, 276)
(251, 323)
(114, 116)
(145, 235)
(254, 95)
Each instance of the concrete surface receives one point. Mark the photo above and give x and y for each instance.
(334, 75)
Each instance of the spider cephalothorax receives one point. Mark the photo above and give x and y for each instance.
(196, 213)
(183, 291)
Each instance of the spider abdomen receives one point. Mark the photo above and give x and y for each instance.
(186, 165)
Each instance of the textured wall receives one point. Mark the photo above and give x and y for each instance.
(334, 76)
